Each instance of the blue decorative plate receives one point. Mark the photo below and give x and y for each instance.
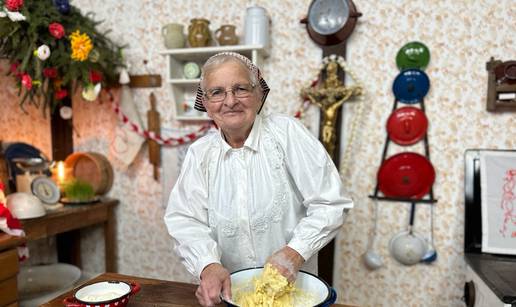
(411, 86)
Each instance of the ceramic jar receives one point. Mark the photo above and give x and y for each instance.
(256, 26)
(173, 36)
(226, 35)
(199, 32)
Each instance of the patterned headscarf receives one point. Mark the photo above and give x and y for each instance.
(254, 70)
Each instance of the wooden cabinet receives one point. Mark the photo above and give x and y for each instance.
(9, 269)
(183, 89)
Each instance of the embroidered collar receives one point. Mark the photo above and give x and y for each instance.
(252, 140)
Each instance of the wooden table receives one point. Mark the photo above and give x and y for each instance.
(9, 269)
(67, 221)
(153, 292)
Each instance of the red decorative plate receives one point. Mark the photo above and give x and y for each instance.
(406, 175)
(407, 125)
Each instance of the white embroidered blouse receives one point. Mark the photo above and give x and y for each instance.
(237, 206)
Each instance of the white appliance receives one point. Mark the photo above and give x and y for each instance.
(490, 278)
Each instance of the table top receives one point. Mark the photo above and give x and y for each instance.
(66, 218)
(153, 292)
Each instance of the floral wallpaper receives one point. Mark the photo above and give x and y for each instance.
(461, 35)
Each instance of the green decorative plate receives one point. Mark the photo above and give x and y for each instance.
(413, 55)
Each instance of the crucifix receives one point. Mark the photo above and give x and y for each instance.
(330, 97)
(329, 23)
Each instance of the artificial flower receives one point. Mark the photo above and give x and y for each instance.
(43, 52)
(95, 76)
(26, 81)
(91, 92)
(63, 6)
(14, 70)
(14, 16)
(65, 112)
(56, 30)
(50, 72)
(13, 5)
(60, 94)
(81, 46)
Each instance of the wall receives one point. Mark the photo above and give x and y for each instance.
(461, 35)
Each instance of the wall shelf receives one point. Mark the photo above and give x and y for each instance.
(183, 89)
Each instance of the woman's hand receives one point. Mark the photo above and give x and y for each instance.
(215, 280)
(287, 261)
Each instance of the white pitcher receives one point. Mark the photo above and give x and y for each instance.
(256, 26)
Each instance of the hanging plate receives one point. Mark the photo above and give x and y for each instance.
(407, 125)
(413, 55)
(406, 175)
(410, 86)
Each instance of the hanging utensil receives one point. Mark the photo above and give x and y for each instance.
(408, 247)
(371, 258)
(431, 254)
(153, 124)
(411, 86)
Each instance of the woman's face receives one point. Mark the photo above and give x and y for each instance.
(233, 115)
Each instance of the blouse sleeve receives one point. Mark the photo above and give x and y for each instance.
(319, 183)
(186, 218)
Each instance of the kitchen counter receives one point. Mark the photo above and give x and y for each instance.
(498, 272)
(153, 292)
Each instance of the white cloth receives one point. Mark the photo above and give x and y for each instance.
(238, 206)
(127, 143)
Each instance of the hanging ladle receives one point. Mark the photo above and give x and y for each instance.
(431, 254)
(371, 258)
(408, 247)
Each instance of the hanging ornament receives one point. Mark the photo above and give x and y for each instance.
(13, 5)
(43, 52)
(91, 92)
(65, 112)
(26, 81)
(63, 6)
(56, 30)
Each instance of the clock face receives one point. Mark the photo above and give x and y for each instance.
(328, 16)
(46, 190)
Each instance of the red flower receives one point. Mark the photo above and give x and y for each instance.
(26, 81)
(95, 76)
(60, 94)
(14, 70)
(50, 72)
(56, 30)
(13, 5)
(14, 67)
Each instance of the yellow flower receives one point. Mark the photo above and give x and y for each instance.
(81, 46)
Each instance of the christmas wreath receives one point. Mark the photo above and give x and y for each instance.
(53, 48)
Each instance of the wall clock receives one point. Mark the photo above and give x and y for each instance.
(330, 22)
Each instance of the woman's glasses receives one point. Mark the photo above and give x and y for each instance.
(219, 94)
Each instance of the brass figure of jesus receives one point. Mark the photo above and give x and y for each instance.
(329, 97)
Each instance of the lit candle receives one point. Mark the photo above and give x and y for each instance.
(60, 173)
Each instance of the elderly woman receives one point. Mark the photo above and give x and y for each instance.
(261, 190)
